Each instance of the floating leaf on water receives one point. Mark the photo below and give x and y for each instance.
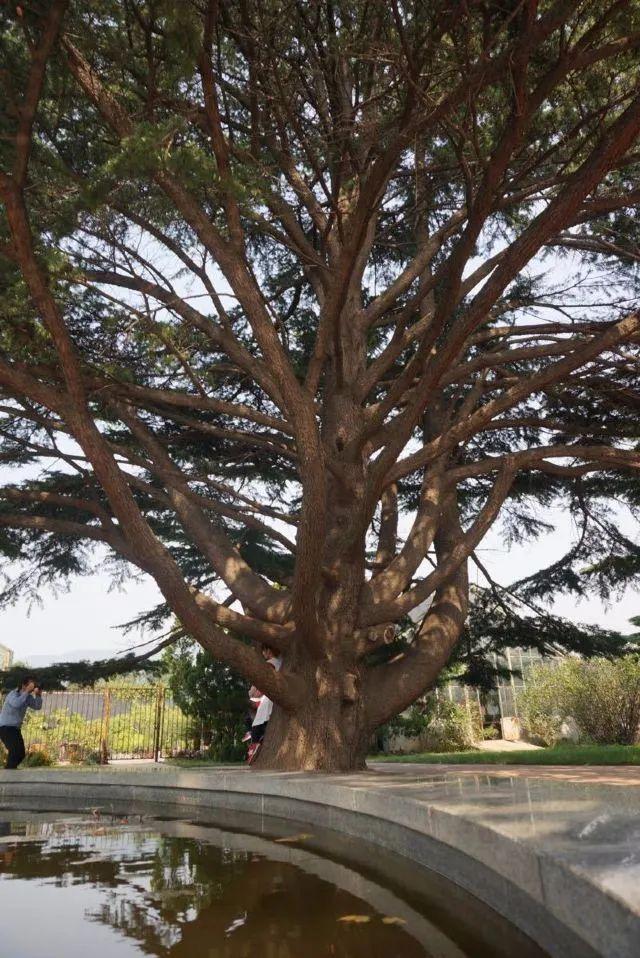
(392, 920)
(235, 924)
(355, 919)
(294, 838)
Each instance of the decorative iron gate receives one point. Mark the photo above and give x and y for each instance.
(107, 724)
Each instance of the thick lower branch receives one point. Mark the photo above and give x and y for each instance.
(391, 688)
(388, 527)
(462, 545)
(224, 558)
(554, 372)
(399, 572)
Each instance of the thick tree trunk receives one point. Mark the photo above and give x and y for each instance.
(325, 737)
(330, 731)
(346, 701)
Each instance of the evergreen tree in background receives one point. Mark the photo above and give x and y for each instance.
(211, 693)
(299, 301)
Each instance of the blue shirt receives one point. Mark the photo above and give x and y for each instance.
(15, 706)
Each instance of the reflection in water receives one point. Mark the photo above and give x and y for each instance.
(113, 888)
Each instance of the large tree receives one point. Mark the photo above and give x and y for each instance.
(277, 272)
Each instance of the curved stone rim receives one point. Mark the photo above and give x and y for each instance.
(561, 909)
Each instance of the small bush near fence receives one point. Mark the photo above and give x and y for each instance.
(37, 758)
(602, 696)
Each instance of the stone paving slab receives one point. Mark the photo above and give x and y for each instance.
(557, 841)
(627, 775)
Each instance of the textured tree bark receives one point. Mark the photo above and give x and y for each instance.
(328, 735)
(342, 702)
(390, 398)
(330, 731)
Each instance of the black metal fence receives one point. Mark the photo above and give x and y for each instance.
(102, 725)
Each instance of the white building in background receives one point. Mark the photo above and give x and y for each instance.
(6, 657)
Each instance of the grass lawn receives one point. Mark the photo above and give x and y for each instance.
(194, 762)
(559, 755)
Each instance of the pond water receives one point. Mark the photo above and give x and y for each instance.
(110, 882)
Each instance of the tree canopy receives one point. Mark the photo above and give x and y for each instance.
(299, 300)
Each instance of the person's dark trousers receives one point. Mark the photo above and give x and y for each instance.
(11, 738)
(257, 732)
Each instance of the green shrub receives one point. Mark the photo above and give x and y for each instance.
(606, 701)
(227, 748)
(411, 722)
(601, 695)
(544, 702)
(452, 728)
(490, 732)
(37, 758)
(213, 697)
(440, 726)
(92, 758)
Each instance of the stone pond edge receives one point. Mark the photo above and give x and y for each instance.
(564, 910)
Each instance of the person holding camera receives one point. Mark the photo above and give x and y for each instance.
(27, 696)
